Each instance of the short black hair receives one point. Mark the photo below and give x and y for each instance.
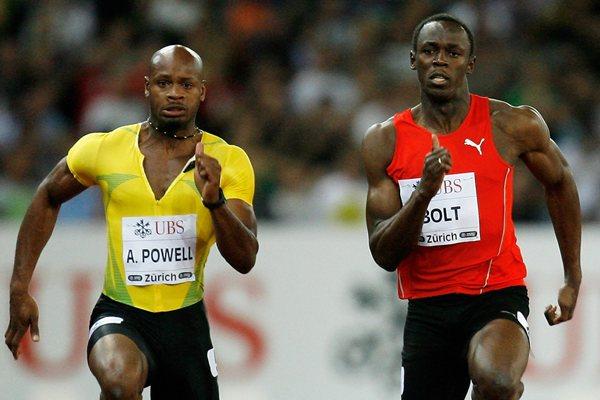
(443, 17)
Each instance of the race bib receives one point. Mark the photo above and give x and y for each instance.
(452, 215)
(159, 249)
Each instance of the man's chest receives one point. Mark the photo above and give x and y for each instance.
(161, 172)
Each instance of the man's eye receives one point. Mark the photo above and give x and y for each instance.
(187, 85)
(162, 83)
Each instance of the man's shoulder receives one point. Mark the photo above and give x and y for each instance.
(132, 129)
(218, 147)
(515, 120)
(210, 139)
(379, 143)
(126, 131)
(120, 135)
(381, 132)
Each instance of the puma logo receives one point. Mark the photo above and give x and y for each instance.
(469, 142)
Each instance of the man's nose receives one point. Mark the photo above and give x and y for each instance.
(440, 59)
(175, 92)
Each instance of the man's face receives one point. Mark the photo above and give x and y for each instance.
(442, 59)
(175, 90)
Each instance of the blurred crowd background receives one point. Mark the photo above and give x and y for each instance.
(295, 83)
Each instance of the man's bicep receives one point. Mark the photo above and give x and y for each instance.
(383, 201)
(547, 163)
(244, 212)
(538, 151)
(383, 197)
(61, 184)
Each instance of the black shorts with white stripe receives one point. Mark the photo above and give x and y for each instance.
(177, 345)
(437, 335)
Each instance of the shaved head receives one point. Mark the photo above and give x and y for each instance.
(177, 54)
(175, 87)
(443, 18)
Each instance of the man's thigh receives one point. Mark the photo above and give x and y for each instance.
(499, 351)
(434, 365)
(116, 340)
(188, 368)
(500, 333)
(117, 348)
(435, 377)
(189, 382)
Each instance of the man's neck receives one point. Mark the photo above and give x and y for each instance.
(152, 136)
(443, 116)
(174, 133)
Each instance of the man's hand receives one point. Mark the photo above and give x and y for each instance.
(567, 299)
(23, 315)
(207, 175)
(437, 164)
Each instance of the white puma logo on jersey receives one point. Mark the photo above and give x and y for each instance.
(469, 142)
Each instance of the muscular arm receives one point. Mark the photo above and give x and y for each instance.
(234, 222)
(235, 231)
(544, 159)
(36, 228)
(38, 224)
(394, 228)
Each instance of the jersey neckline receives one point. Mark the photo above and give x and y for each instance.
(461, 127)
(141, 157)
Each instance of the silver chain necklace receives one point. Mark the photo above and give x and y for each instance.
(197, 131)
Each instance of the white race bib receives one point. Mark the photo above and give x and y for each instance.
(452, 215)
(159, 249)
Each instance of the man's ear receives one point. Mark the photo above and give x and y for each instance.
(203, 90)
(413, 60)
(146, 86)
(471, 65)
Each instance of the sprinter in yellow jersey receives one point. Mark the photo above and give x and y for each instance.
(170, 191)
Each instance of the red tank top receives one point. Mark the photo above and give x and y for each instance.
(468, 242)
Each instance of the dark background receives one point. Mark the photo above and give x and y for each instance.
(296, 84)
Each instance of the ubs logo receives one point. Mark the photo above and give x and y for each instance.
(169, 227)
(448, 186)
(142, 229)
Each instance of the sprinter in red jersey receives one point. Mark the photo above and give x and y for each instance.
(439, 213)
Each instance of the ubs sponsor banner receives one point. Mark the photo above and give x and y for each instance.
(315, 320)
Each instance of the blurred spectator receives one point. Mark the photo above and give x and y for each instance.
(113, 106)
(323, 82)
(340, 194)
(296, 84)
(17, 190)
(176, 16)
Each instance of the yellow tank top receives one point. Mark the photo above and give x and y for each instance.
(157, 249)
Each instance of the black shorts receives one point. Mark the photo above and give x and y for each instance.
(437, 335)
(177, 345)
